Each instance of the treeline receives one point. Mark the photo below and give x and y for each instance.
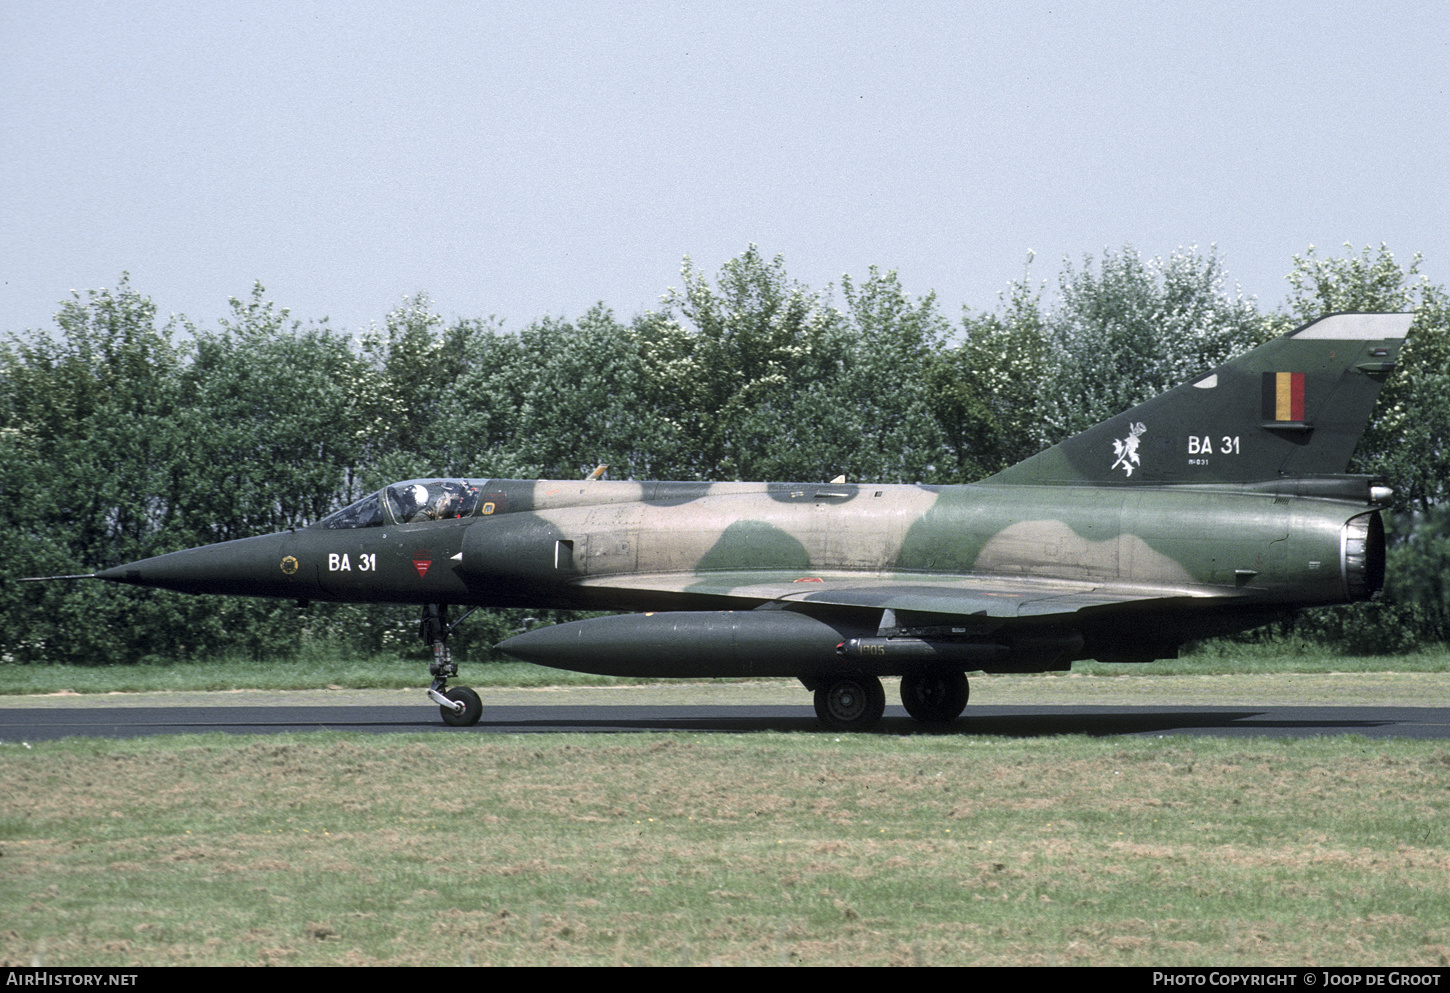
(121, 438)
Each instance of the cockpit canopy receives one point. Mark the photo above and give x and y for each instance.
(409, 502)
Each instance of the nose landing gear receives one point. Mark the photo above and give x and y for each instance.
(458, 706)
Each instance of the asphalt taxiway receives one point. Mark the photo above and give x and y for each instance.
(32, 724)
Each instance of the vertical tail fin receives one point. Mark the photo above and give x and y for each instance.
(1294, 406)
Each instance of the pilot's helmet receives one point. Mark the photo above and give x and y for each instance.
(419, 494)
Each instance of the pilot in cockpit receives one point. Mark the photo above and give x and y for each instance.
(447, 503)
(413, 502)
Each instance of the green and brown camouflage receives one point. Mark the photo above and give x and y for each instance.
(1215, 507)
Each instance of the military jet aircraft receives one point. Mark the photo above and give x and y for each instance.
(1216, 507)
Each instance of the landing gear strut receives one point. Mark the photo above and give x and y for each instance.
(459, 706)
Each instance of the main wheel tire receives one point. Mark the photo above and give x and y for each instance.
(934, 697)
(850, 703)
(472, 707)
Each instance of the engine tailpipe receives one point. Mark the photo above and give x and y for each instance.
(1362, 556)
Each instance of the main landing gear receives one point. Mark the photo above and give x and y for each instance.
(850, 702)
(459, 706)
(855, 702)
(934, 697)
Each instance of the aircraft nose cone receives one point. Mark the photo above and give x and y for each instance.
(258, 566)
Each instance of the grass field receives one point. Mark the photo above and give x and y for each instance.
(733, 849)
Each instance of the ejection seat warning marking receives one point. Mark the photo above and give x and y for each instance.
(421, 561)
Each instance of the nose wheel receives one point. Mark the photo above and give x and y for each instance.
(459, 706)
(472, 707)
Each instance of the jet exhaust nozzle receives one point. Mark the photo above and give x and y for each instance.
(1362, 556)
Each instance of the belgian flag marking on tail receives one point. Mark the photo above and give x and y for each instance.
(1284, 396)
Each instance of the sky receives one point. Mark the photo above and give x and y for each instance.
(528, 160)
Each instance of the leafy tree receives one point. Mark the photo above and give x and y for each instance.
(91, 441)
(273, 410)
(726, 362)
(758, 377)
(99, 400)
(552, 401)
(582, 406)
(879, 409)
(989, 388)
(412, 363)
(131, 446)
(1128, 329)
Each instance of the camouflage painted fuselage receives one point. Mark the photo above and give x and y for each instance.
(1000, 564)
